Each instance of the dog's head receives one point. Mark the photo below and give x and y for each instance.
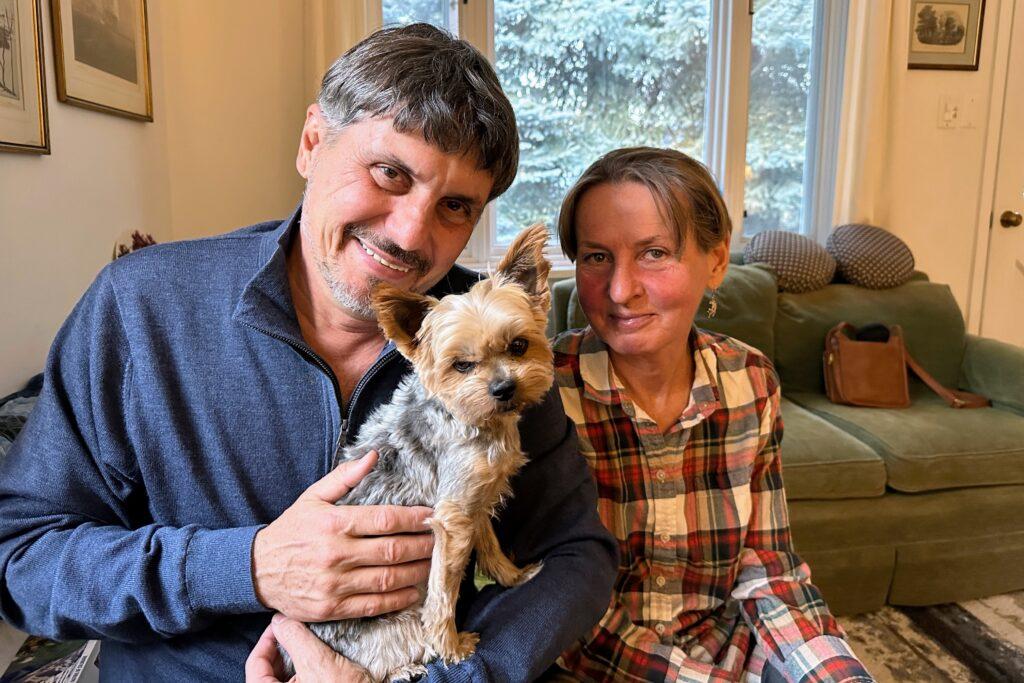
(484, 354)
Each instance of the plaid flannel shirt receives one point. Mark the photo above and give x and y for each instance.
(709, 587)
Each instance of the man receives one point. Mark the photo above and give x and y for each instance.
(199, 390)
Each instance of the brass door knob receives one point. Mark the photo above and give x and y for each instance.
(1010, 219)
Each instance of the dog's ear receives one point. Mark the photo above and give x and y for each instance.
(524, 264)
(400, 315)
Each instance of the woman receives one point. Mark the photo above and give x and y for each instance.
(682, 430)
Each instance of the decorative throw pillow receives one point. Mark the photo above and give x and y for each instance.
(800, 264)
(870, 257)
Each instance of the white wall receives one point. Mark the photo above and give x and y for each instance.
(933, 176)
(229, 94)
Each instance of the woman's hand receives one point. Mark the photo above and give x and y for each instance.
(312, 659)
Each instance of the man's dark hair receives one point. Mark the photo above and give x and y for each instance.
(430, 83)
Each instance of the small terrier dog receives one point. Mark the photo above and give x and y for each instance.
(449, 440)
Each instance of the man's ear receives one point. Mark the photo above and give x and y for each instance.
(400, 315)
(313, 134)
(524, 264)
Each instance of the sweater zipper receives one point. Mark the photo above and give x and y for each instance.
(363, 381)
(346, 409)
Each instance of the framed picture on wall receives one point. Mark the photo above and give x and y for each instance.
(945, 35)
(102, 52)
(24, 126)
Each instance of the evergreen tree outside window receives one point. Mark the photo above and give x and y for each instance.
(589, 76)
(780, 87)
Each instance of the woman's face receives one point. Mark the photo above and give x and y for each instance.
(639, 291)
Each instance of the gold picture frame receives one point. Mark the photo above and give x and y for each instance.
(24, 123)
(945, 34)
(101, 48)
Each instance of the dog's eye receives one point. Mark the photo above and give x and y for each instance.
(463, 365)
(518, 346)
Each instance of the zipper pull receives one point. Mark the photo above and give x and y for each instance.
(340, 445)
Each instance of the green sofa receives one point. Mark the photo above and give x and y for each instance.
(907, 507)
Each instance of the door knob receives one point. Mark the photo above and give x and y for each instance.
(1010, 219)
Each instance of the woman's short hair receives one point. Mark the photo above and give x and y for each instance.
(682, 187)
(430, 83)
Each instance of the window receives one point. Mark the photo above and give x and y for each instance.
(780, 85)
(587, 77)
(739, 91)
(401, 12)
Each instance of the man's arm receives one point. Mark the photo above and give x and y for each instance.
(78, 554)
(779, 601)
(552, 517)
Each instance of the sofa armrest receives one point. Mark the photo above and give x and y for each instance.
(994, 369)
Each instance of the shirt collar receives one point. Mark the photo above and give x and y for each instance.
(600, 383)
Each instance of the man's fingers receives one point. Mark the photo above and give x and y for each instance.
(313, 660)
(375, 604)
(260, 665)
(382, 520)
(388, 550)
(387, 579)
(342, 479)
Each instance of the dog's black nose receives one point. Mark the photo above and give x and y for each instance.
(502, 389)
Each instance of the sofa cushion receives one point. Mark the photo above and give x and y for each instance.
(932, 327)
(869, 256)
(821, 461)
(800, 264)
(930, 446)
(746, 307)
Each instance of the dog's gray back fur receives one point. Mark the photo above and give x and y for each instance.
(424, 455)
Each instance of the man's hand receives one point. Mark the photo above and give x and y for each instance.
(312, 659)
(321, 562)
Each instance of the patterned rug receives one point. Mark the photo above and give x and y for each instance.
(976, 641)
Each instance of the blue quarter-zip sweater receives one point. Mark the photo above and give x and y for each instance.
(181, 412)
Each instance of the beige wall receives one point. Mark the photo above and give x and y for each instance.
(931, 192)
(234, 102)
(214, 158)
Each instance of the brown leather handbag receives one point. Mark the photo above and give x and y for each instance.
(868, 367)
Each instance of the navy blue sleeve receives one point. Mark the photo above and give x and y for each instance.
(552, 516)
(79, 555)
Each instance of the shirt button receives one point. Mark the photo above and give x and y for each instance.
(660, 581)
(660, 629)
(666, 537)
(660, 474)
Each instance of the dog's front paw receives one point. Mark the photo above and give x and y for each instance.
(407, 672)
(528, 572)
(465, 647)
(458, 648)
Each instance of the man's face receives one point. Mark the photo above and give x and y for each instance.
(383, 206)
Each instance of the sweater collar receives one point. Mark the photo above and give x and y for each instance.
(266, 301)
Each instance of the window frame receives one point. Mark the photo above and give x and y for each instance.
(726, 115)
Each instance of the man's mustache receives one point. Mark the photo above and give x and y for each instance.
(385, 246)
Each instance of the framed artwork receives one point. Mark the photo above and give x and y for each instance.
(102, 52)
(24, 126)
(945, 35)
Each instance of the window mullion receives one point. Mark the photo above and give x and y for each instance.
(823, 116)
(725, 126)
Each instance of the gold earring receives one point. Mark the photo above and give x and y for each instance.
(713, 304)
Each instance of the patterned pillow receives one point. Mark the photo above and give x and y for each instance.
(800, 264)
(870, 256)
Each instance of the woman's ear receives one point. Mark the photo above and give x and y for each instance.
(719, 260)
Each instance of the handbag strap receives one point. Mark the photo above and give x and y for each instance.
(956, 399)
